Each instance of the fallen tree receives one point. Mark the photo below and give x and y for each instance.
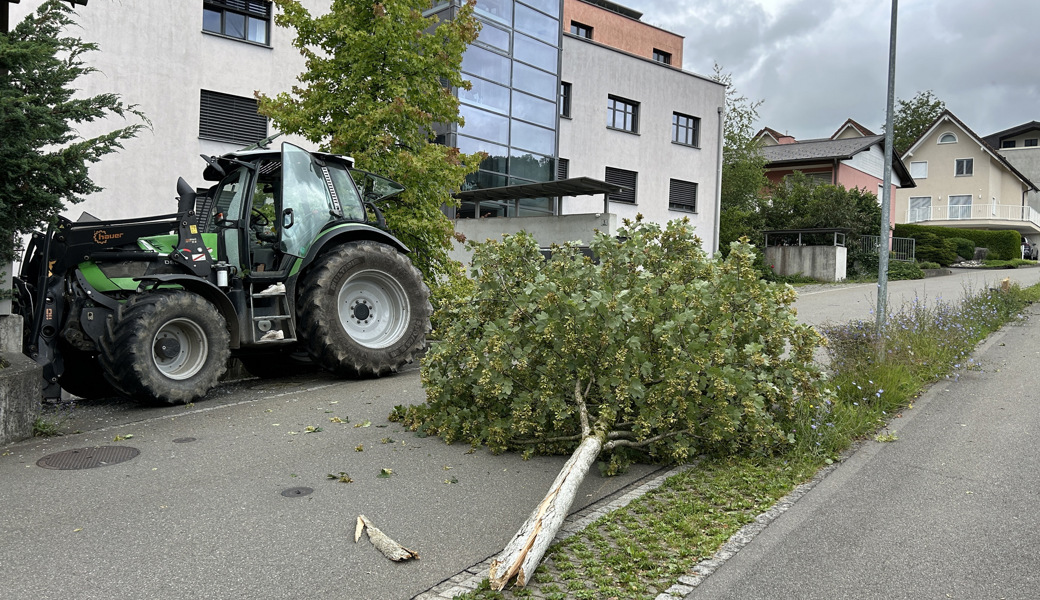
(652, 350)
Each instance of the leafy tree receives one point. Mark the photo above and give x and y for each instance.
(43, 161)
(377, 80)
(798, 202)
(652, 348)
(743, 168)
(912, 117)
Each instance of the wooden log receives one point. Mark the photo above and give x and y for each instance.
(524, 553)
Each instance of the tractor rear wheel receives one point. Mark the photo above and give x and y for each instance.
(364, 310)
(167, 346)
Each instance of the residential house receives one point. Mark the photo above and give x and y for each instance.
(1019, 145)
(853, 157)
(964, 182)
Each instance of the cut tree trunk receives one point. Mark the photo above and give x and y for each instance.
(524, 553)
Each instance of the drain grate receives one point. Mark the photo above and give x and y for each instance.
(183, 440)
(87, 458)
(297, 492)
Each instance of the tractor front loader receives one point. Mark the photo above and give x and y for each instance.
(284, 263)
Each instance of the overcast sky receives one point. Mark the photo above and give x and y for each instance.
(816, 63)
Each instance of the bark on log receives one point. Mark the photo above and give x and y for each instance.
(524, 553)
(382, 542)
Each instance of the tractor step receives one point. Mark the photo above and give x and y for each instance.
(269, 308)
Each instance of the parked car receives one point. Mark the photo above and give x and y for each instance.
(1030, 251)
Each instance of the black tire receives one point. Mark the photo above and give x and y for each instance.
(364, 310)
(278, 364)
(166, 346)
(83, 375)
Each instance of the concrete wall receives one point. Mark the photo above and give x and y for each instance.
(1027, 161)
(21, 388)
(594, 72)
(824, 263)
(547, 230)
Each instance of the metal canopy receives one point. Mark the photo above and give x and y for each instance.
(577, 186)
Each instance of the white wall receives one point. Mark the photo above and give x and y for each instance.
(596, 71)
(154, 54)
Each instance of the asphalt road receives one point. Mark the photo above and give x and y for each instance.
(206, 518)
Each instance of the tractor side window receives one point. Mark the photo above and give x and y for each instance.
(229, 197)
(227, 206)
(349, 198)
(306, 202)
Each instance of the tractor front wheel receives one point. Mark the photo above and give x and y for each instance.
(168, 346)
(365, 310)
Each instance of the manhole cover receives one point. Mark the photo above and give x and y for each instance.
(87, 458)
(183, 440)
(296, 492)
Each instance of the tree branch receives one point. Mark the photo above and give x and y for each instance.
(616, 443)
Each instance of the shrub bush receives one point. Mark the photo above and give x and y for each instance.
(899, 270)
(932, 248)
(1003, 245)
(964, 247)
(928, 265)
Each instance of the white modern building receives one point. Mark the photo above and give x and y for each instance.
(630, 115)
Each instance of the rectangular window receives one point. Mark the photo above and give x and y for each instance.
(1030, 143)
(624, 178)
(565, 99)
(920, 209)
(960, 207)
(248, 20)
(1007, 144)
(964, 167)
(227, 118)
(563, 168)
(662, 57)
(622, 114)
(581, 30)
(682, 195)
(919, 169)
(685, 129)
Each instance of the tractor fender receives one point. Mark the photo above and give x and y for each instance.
(207, 290)
(350, 232)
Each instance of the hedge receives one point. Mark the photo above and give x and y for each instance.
(1003, 245)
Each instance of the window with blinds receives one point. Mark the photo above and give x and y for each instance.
(227, 118)
(682, 195)
(623, 178)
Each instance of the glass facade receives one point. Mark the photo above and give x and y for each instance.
(511, 112)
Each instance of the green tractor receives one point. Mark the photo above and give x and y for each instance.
(285, 263)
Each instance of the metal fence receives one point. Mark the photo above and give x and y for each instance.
(901, 249)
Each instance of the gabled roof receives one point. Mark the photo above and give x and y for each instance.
(850, 124)
(994, 139)
(945, 116)
(825, 149)
(776, 136)
(814, 151)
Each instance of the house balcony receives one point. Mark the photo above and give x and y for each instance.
(1022, 219)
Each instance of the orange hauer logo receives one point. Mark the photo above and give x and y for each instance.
(103, 237)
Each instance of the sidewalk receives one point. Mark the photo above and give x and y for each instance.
(949, 510)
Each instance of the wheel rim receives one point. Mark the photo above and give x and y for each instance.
(180, 348)
(373, 309)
